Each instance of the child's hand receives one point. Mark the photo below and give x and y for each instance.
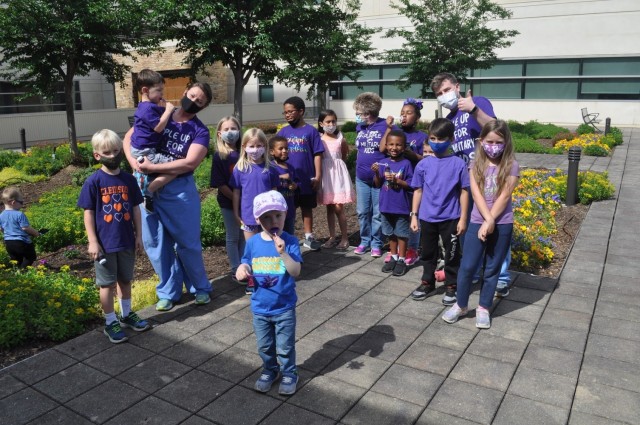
(168, 105)
(243, 272)
(485, 230)
(139, 245)
(279, 243)
(315, 184)
(389, 121)
(461, 227)
(375, 167)
(94, 250)
(414, 224)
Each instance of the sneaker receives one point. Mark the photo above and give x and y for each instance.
(288, 385)
(388, 267)
(202, 299)
(376, 252)
(164, 305)
(148, 203)
(454, 313)
(412, 257)
(502, 292)
(134, 322)
(388, 257)
(401, 268)
(360, 250)
(311, 243)
(423, 291)
(440, 276)
(266, 380)
(449, 297)
(114, 332)
(251, 287)
(483, 321)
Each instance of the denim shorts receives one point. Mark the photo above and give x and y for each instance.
(395, 224)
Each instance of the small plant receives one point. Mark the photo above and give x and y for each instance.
(42, 159)
(525, 144)
(616, 133)
(9, 176)
(591, 144)
(71, 252)
(348, 126)
(563, 136)
(585, 129)
(202, 174)
(592, 187)
(78, 177)
(211, 224)
(8, 158)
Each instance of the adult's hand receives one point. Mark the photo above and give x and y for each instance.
(126, 145)
(465, 104)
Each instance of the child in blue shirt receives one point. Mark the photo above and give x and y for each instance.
(272, 259)
(16, 228)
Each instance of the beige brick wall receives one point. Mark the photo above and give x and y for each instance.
(169, 60)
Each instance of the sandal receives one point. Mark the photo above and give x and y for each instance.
(330, 243)
(343, 246)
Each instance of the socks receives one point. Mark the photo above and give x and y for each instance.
(308, 235)
(401, 259)
(110, 317)
(125, 307)
(395, 257)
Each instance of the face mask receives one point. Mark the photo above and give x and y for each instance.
(493, 151)
(112, 162)
(359, 119)
(189, 106)
(330, 129)
(230, 137)
(439, 148)
(255, 153)
(294, 123)
(449, 100)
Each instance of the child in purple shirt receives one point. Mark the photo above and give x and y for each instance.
(440, 201)
(395, 200)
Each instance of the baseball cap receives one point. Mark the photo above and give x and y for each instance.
(268, 201)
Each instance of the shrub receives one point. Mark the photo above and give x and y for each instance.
(348, 126)
(525, 144)
(43, 159)
(211, 225)
(81, 175)
(543, 131)
(592, 187)
(267, 127)
(423, 125)
(37, 304)
(590, 143)
(616, 133)
(585, 129)
(515, 126)
(563, 136)
(202, 174)
(594, 150)
(8, 158)
(10, 176)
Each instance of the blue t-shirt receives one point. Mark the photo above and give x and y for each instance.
(368, 138)
(147, 117)
(304, 144)
(252, 183)
(394, 199)
(113, 199)
(468, 129)
(283, 187)
(275, 289)
(221, 171)
(12, 222)
(441, 181)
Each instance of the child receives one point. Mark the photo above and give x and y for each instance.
(16, 228)
(395, 200)
(440, 199)
(151, 117)
(288, 182)
(224, 160)
(110, 199)
(409, 117)
(336, 189)
(305, 157)
(273, 260)
(251, 176)
(494, 175)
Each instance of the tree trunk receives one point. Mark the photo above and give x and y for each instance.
(238, 89)
(321, 99)
(71, 119)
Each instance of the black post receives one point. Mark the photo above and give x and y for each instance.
(23, 140)
(572, 175)
(607, 126)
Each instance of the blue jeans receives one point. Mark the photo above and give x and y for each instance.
(171, 237)
(414, 238)
(234, 238)
(494, 251)
(369, 217)
(276, 337)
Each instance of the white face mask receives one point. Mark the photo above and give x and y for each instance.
(329, 129)
(449, 100)
(230, 137)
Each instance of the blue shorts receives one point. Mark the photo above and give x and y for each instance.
(396, 224)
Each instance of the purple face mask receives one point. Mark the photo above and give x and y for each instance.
(493, 151)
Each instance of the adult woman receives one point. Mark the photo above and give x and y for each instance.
(171, 234)
(370, 130)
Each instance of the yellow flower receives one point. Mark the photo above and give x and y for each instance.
(79, 311)
(65, 268)
(10, 305)
(57, 305)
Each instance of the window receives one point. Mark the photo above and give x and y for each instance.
(265, 90)
(9, 103)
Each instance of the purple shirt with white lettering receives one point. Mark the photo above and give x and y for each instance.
(416, 140)
(251, 184)
(179, 136)
(468, 128)
(368, 138)
(394, 199)
(442, 181)
(283, 187)
(490, 189)
(304, 145)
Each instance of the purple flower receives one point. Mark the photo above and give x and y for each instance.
(42, 262)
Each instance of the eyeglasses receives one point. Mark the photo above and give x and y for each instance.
(287, 113)
(363, 114)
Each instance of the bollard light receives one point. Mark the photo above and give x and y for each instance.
(572, 175)
(23, 140)
(607, 126)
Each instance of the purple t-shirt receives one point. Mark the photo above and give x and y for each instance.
(147, 117)
(179, 136)
(368, 138)
(468, 129)
(283, 187)
(251, 184)
(441, 181)
(113, 199)
(396, 200)
(416, 140)
(304, 145)
(490, 188)
(221, 170)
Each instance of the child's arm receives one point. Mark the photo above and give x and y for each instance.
(236, 205)
(317, 180)
(166, 116)
(503, 199)
(160, 181)
(292, 266)
(383, 141)
(137, 228)
(31, 231)
(344, 149)
(94, 249)
(464, 212)
(243, 272)
(375, 167)
(415, 206)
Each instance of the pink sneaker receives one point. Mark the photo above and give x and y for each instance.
(376, 252)
(360, 249)
(440, 276)
(412, 257)
(387, 257)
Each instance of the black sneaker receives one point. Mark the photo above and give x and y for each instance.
(449, 297)
(423, 291)
(400, 268)
(390, 266)
(148, 203)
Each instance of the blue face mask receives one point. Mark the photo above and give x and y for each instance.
(359, 119)
(440, 148)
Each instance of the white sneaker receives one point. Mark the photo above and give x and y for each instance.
(454, 313)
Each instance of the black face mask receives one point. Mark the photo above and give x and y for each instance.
(112, 162)
(189, 106)
(294, 123)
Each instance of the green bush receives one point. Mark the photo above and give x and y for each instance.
(515, 126)
(594, 150)
(44, 159)
(585, 129)
(211, 225)
(8, 158)
(202, 174)
(616, 133)
(609, 141)
(37, 304)
(269, 127)
(423, 125)
(525, 144)
(57, 211)
(9, 176)
(563, 136)
(348, 126)
(350, 137)
(592, 187)
(81, 175)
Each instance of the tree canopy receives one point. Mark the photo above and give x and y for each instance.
(447, 36)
